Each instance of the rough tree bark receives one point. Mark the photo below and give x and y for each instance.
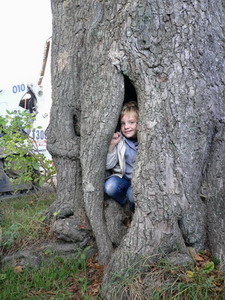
(173, 53)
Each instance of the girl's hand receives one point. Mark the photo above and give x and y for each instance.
(115, 140)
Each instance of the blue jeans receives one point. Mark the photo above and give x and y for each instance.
(120, 190)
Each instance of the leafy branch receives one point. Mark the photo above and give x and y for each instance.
(22, 160)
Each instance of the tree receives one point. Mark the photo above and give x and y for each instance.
(172, 54)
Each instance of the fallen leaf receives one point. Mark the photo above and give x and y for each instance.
(190, 274)
(51, 293)
(198, 257)
(18, 269)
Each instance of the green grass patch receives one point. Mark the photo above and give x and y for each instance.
(59, 279)
(166, 281)
(23, 221)
(200, 281)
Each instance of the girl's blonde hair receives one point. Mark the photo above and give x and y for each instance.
(128, 107)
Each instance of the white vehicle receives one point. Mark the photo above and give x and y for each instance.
(29, 97)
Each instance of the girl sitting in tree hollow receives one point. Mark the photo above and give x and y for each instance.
(122, 155)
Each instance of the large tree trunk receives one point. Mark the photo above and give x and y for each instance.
(173, 53)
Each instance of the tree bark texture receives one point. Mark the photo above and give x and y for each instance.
(173, 53)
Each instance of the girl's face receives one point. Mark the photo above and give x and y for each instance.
(129, 125)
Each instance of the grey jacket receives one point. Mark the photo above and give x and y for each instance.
(115, 160)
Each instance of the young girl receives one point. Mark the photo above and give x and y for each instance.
(121, 156)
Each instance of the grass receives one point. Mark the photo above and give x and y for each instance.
(192, 282)
(61, 279)
(79, 278)
(23, 226)
(165, 281)
(23, 221)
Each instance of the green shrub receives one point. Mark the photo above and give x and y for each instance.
(21, 156)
